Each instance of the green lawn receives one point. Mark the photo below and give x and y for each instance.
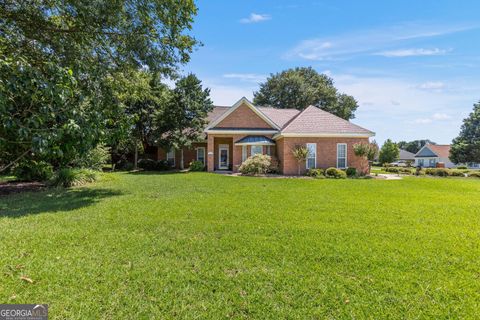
(202, 246)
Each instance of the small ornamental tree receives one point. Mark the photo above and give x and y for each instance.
(367, 151)
(300, 153)
(466, 147)
(389, 152)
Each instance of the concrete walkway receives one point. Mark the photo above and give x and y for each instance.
(388, 176)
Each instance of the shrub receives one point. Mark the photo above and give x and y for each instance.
(31, 170)
(257, 164)
(124, 165)
(474, 174)
(68, 177)
(95, 158)
(163, 165)
(351, 172)
(392, 169)
(335, 173)
(439, 172)
(462, 167)
(147, 164)
(457, 173)
(315, 173)
(196, 166)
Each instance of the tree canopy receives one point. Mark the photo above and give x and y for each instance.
(389, 152)
(466, 147)
(413, 146)
(62, 62)
(300, 87)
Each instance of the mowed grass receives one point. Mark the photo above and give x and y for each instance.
(206, 246)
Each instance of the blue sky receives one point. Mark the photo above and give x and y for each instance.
(413, 66)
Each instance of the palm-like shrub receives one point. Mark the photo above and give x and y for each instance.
(300, 153)
(68, 177)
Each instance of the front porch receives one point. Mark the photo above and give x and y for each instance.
(227, 152)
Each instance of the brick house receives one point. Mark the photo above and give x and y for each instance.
(235, 133)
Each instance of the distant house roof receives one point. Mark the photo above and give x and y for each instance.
(434, 150)
(255, 140)
(288, 122)
(406, 155)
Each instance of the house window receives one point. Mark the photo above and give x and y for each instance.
(432, 162)
(312, 155)
(244, 153)
(341, 155)
(171, 158)
(421, 162)
(256, 150)
(201, 154)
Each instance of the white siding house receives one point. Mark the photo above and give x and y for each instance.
(431, 154)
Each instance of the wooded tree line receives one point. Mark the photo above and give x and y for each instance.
(78, 73)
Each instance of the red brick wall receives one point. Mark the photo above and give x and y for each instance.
(189, 154)
(235, 156)
(243, 117)
(326, 153)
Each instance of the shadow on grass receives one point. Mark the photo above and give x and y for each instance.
(52, 200)
(146, 172)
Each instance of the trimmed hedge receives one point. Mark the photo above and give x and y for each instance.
(335, 173)
(196, 166)
(152, 165)
(315, 173)
(439, 172)
(351, 172)
(474, 174)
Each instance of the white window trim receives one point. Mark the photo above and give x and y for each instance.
(244, 153)
(203, 148)
(173, 152)
(252, 147)
(314, 155)
(346, 155)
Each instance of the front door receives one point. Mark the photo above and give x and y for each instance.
(223, 160)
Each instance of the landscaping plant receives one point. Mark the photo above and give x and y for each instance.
(255, 165)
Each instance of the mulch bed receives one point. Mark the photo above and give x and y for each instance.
(7, 188)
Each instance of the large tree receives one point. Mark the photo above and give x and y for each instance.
(92, 42)
(389, 152)
(466, 147)
(300, 87)
(181, 122)
(414, 146)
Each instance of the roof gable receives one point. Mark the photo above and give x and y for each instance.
(243, 114)
(426, 152)
(315, 121)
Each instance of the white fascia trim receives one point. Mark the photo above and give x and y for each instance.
(245, 101)
(255, 144)
(261, 132)
(323, 135)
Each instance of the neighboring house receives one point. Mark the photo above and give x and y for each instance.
(431, 154)
(235, 133)
(406, 156)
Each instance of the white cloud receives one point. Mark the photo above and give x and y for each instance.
(255, 18)
(432, 85)
(441, 116)
(422, 121)
(373, 41)
(400, 53)
(250, 77)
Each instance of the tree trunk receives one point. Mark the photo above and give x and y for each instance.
(181, 159)
(135, 159)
